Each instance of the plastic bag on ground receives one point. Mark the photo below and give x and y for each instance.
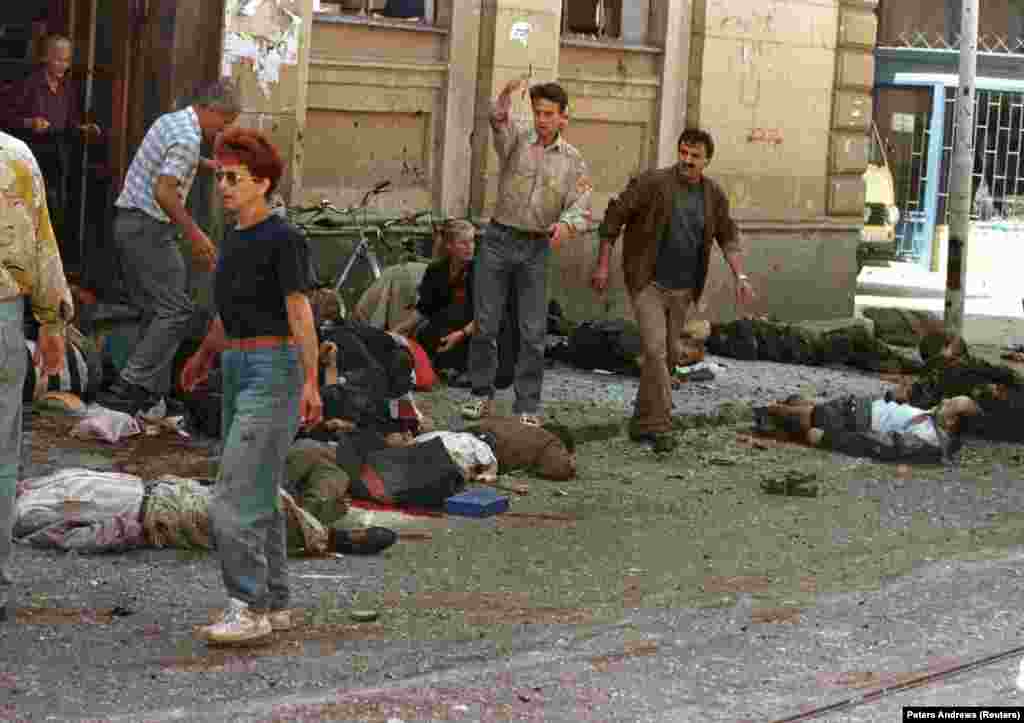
(107, 425)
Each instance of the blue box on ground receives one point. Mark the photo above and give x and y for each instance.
(476, 502)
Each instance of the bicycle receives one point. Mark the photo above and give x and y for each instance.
(327, 216)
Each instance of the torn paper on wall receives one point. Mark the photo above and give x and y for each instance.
(266, 34)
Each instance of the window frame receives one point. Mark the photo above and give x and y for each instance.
(612, 41)
(366, 16)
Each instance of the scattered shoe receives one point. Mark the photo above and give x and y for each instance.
(124, 396)
(280, 619)
(239, 625)
(367, 541)
(762, 420)
(478, 408)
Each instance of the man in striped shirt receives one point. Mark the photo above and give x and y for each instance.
(150, 214)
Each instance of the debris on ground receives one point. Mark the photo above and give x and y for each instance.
(791, 484)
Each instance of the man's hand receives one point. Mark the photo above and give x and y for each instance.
(515, 84)
(38, 124)
(204, 253)
(452, 340)
(559, 232)
(196, 370)
(50, 353)
(599, 279)
(311, 408)
(744, 292)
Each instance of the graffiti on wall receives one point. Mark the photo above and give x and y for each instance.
(265, 34)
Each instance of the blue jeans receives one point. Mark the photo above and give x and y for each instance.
(260, 418)
(510, 262)
(13, 368)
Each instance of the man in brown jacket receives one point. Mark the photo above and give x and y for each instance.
(672, 217)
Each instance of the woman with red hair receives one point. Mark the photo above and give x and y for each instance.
(264, 327)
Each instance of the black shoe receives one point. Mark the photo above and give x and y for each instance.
(127, 397)
(364, 542)
(762, 420)
(661, 442)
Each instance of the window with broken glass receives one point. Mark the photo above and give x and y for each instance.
(626, 22)
(388, 11)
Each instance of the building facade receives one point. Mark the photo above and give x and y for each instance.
(357, 92)
(784, 87)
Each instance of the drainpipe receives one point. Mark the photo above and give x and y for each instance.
(86, 113)
(962, 171)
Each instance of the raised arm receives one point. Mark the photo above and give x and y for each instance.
(501, 119)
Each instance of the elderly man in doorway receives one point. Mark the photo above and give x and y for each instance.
(46, 111)
(150, 214)
(543, 200)
(672, 217)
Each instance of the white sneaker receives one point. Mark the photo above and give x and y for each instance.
(530, 420)
(239, 625)
(478, 408)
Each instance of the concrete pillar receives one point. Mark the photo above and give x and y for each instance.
(454, 172)
(675, 22)
(517, 37)
(852, 107)
(273, 85)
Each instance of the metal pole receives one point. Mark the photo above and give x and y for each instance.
(962, 171)
(83, 195)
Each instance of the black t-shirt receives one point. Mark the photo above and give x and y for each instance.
(258, 267)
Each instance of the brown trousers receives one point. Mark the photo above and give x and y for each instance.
(661, 314)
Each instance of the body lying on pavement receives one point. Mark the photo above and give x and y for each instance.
(869, 427)
(951, 370)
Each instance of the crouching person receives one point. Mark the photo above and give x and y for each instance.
(264, 327)
(863, 426)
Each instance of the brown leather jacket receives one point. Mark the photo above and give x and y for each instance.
(645, 210)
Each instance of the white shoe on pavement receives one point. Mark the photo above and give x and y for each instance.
(238, 625)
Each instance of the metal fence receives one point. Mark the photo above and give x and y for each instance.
(998, 155)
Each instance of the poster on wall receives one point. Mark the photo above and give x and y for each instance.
(265, 34)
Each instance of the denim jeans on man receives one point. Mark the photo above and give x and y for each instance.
(13, 369)
(156, 281)
(260, 419)
(510, 261)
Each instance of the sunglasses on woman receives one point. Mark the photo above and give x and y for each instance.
(232, 177)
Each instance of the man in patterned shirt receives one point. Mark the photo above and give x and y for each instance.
(543, 199)
(29, 266)
(150, 213)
